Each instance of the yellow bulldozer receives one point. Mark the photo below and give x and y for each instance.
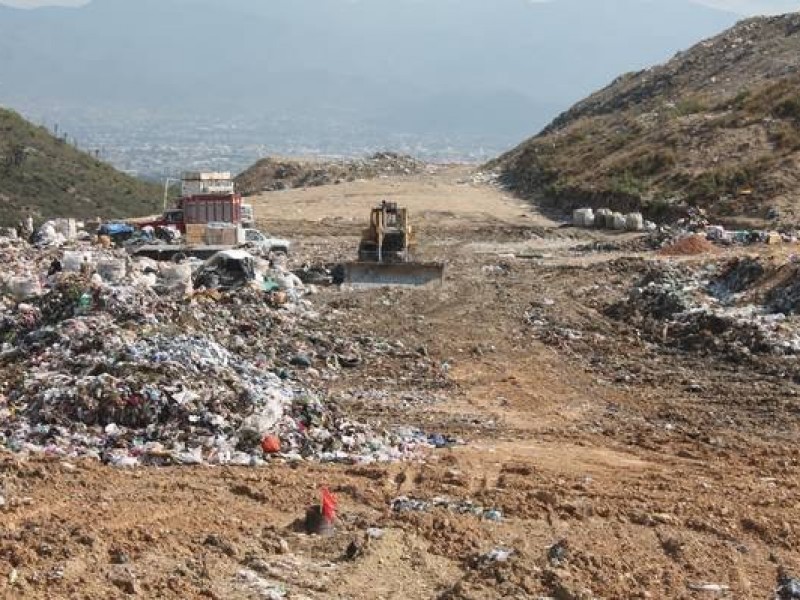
(386, 253)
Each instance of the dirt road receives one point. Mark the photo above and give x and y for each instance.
(618, 466)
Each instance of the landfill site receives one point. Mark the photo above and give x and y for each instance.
(604, 408)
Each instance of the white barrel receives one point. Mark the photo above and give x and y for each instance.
(601, 218)
(634, 222)
(583, 217)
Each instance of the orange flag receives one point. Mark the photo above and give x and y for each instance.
(328, 505)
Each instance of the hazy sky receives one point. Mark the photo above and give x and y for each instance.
(744, 7)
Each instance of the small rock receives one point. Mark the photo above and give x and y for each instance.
(216, 541)
(118, 556)
(301, 360)
(122, 577)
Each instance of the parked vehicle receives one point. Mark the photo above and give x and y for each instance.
(386, 253)
(205, 198)
(245, 237)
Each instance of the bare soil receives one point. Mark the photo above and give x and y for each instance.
(623, 468)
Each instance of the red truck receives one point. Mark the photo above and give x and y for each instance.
(205, 198)
(198, 210)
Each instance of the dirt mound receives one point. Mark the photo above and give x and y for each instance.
(271, 174)
(688, 246)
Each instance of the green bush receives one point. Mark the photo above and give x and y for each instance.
(727, 180)
(690, 106)
(627, 183)
(51, 168)
(653, 162)
(788, 109)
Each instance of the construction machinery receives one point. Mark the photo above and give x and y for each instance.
(385, 253)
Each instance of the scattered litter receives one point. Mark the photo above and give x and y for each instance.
(463, 507)
(499, 555)
(788, 587)
(558, 552)
(708, 587)
(265, 589)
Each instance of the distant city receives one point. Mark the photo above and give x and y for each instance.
(154, 148)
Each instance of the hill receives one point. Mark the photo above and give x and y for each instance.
(717, 127)
(271, 174)
(343, 74)
(46, 177)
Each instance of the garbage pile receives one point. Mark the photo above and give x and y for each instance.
(270, 174)
(694, 309)
(138, 371)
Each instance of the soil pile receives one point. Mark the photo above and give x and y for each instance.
(688, 246)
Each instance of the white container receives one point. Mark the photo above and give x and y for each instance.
(634, 222)
(175, 273)
(73, 259)
(66, 227)
(23, 288)
(618, 222)
(583, 217)
(601, 218)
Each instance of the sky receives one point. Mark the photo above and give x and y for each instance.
(742, 7)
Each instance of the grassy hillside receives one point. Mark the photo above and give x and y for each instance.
(717, 127)
(47, 177)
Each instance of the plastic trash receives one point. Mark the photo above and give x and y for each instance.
(74, 260)
(22, 288)
(112, 270)
(788, 588)
(271, 444)
(499, 555)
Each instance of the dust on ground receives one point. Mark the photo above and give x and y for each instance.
(630, 451)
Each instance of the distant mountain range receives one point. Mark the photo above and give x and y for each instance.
(496, 70)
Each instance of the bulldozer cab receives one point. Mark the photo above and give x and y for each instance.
(389, 237)
(389, 216)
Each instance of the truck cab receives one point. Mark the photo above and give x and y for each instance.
(265, 241)
(173, 217)
(248, 216)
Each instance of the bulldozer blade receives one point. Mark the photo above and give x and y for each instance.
(367, 274)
